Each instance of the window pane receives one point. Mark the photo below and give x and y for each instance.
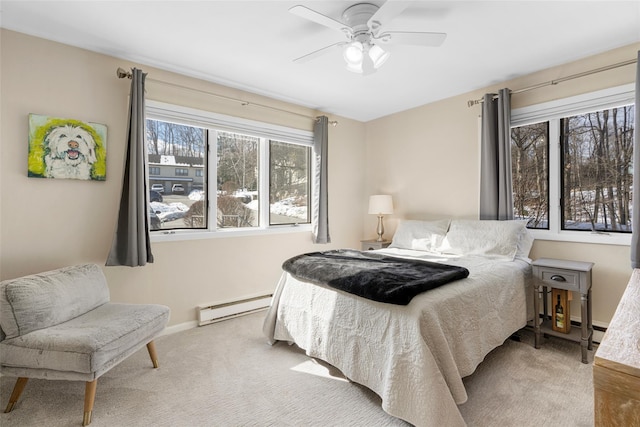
(238, 200)
(597, 153)
(530, 172)
(178, 193)
(289, 183)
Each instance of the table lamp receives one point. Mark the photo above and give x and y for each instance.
(380, 205)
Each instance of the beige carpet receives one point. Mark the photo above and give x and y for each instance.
(226, 375)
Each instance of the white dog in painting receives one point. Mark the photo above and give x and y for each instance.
(71, 153)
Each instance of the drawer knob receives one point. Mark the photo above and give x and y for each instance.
(558, 278)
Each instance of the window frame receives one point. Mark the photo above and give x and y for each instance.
(552, 112)
(156, 110)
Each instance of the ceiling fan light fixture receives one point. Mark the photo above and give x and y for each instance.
(378, 56)
(353, 53)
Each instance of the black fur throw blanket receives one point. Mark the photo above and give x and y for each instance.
(371, 275)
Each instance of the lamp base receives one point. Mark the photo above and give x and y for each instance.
(380, 229)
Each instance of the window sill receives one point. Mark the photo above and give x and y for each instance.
(583, 237)
(180, 235)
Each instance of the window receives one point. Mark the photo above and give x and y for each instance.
(236, 175)
(597, 154)
(289, 183)
(167, 144)
(572, 166)
(530, 173)
(154, 170)
(238, 180)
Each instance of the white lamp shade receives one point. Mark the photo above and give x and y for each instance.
(353, 53)
(378, 56)
(380, 204)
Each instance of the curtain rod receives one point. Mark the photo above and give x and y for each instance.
(473, 102)
(122, 73)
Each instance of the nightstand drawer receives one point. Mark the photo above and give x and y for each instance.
(561, 279)
(370, 245)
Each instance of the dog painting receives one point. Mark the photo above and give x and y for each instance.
(66, 148)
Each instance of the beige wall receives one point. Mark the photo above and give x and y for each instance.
(428, 159)
(50, 223)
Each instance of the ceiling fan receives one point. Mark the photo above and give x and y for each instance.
(361, 24)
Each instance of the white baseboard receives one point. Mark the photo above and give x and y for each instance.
(179, 327)
(194, 323)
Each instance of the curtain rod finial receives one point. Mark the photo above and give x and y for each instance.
(122, 73)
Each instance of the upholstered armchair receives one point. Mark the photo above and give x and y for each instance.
(61, 325)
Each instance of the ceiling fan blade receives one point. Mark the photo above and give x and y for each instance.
(413, 38)
(389, 10)
(318, 18)
(317, 53)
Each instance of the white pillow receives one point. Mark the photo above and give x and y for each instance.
(525, 243)
(420, 235)
(490, 238)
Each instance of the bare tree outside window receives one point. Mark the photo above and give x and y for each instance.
(597, 167)
(237, 180)
(530, 173)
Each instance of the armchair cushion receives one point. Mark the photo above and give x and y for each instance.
(85, 347)
(38, 301)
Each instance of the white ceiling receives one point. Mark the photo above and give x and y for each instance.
(250, 44)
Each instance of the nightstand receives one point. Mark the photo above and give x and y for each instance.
(573, 276)
(369, 245)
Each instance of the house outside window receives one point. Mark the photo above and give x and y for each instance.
(572, 167)
(238, 175)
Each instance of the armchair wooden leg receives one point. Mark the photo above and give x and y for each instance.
(89, 398)
(15, 395)
(151, 346)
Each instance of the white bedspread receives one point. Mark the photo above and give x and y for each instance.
(415, 356)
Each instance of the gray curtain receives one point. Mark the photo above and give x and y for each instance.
(320, 193)
(635, 216)
(131, 244)
(496, 193)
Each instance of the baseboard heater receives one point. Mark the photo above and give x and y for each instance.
(212, 313)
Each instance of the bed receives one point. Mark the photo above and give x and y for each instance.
(414, 356)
